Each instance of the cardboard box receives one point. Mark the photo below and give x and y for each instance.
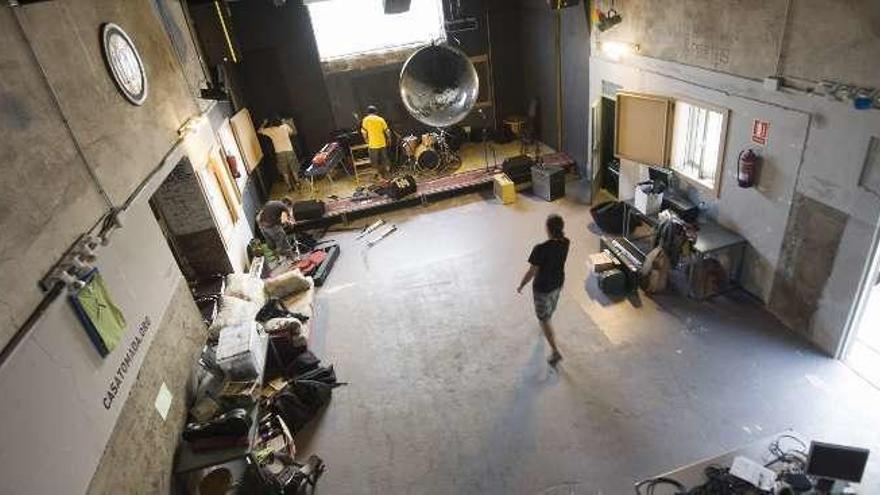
(648, 203)
(601, 262)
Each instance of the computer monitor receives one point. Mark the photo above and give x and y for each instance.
(661, 175)
(836, 462)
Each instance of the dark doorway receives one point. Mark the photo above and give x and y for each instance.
(609, 165)
(185, 217)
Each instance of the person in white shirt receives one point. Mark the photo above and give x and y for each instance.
(280, 132)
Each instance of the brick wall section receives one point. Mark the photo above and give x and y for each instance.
(139, 457)
(182, 203)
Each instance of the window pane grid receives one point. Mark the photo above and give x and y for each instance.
(696, 142)
(345, 28)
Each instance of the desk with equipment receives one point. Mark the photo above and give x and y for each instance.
(782, 464)
(710, 255)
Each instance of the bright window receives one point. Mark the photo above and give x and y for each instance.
(697, 141)
(350, 27)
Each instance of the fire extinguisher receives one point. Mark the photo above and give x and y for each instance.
(232, 163)
(747, 169)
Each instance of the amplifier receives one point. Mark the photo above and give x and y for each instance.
(548, 182)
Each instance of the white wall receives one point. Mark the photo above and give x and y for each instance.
(816, 147)
(54, 385)
(201, 144)
(768, 203)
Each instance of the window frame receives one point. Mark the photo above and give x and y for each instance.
(667, 125)
(715, 187)
(383, 51)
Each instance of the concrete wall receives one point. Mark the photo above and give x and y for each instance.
(54, 381)
(824, 39)
(124, 467)
(809, 223)
(768, 203)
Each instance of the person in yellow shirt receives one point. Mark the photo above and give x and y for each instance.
(376, 134)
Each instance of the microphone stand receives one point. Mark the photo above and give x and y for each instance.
(482, 115)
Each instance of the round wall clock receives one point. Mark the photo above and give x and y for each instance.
(125, 63)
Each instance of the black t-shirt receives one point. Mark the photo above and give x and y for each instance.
(549, 256)
(270, 216)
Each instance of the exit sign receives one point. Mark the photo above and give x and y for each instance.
(760, 132)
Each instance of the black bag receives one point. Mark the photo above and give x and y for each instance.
(272, 309)
(299, 401)
(308, 210)
(518, 168)
(303, 363)
(609, 217)
(400, 187)
(612, 282)
(321, 374)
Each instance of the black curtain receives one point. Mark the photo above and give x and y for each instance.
(281, 69)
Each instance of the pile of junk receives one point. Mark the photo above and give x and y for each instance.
(255, 386)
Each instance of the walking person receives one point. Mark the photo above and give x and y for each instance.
(547, 274)
(376, 133)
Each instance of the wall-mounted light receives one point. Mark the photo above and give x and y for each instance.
(192, 125)
(607, 20)
(616, 50)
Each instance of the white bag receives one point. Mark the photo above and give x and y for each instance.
(292, 282)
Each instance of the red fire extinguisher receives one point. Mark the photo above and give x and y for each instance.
(747, 169)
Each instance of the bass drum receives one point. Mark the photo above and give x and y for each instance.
(427, 158)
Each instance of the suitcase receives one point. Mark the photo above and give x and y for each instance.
(323, 270)
(612, 282)
(308, 210)
(548, 182)
(518, 168)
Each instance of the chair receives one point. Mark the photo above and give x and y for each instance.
(324, 163)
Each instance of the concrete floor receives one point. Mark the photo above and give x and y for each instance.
(450, 392)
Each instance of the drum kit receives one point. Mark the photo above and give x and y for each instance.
(430, 152)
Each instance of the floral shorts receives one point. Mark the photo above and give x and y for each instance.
(545, 303)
